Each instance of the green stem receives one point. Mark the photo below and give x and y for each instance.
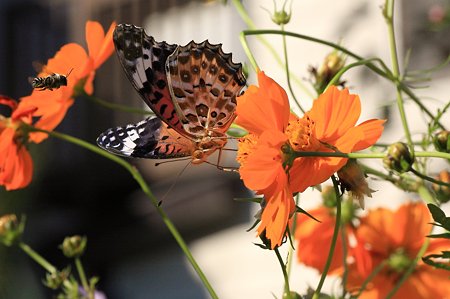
(287, 290)
(248, 21)
(338, 75)
(248, 52)
(140, 180)
(344, 260)
(337, 226)
(385, 74)
(430, 179)
(288, 77)
(369, 278)
(115, 106)
(84, 282)
(389, 16)
(38, 258)
(291, 248)
(367, 155)
(410, 269)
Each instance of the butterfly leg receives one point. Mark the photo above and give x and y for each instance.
(223, 168)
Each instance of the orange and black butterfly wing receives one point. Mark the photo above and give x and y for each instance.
(143, 60)
(149, 138)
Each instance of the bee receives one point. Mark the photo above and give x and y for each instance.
(50, 82)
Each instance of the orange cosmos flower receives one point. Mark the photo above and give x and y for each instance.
(272, 169)
(16, 166)
(53, 105)
(396, 237)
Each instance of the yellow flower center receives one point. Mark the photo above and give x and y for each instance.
(300, 134)
(247, 145)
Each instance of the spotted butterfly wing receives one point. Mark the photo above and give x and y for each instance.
(149, 138)
(204, 83)
(143, 60)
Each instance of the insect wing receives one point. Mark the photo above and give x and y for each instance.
(149, 138)
(204, 83)
(143, 60)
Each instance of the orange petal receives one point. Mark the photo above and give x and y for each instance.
(310, 171)
(263, 167)
(107, 47)
(372, 130)
(89, 85)
(411, 217)
(334, 112)
(275, 216)
(23, 168)
(376, 229)
(94, 37)
(263, 108)
(7, 101)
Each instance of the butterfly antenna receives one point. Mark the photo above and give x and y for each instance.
(170, 161)
(174, 182)
(69, 72)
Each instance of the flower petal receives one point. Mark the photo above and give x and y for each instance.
(372, 130)
(263, 108)
(263, 167)
(334, 112)
(275, 216)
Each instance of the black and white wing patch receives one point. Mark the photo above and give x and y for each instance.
(149, 138)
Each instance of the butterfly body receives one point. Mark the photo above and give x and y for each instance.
(192, 89)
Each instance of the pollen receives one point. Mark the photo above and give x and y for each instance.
(247, 145)
(300, 134)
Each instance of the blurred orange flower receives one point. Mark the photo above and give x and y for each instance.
(396, 237)
(314, 240)
(16, 166)
(53, 105)
(271, 167)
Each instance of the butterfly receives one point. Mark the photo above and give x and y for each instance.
(191, 89)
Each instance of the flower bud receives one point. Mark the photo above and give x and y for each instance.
(443, 192)
(11, 229)
(280, 17)
(73, 246)
(398, 158)
(441, 141)
(331, 65)
(292, 295)
(55, 279)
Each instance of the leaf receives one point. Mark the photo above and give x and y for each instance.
(430, 260)
(437, 213)
(300, 210)
(444, 236)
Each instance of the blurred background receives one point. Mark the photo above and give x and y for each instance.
(76, 192)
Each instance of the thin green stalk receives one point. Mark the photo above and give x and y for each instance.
(367, 155)
(140, 180)
(344, 259)
(369, 278)
(430, 179)
(338, 75)
(337, 226)
(410, 269)
(287, 290)
(385, 73)
(248, 52)
(288, 77)
(293, 227)
(84, 282)
(248, 21)
(38, 258)
(389, 16)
